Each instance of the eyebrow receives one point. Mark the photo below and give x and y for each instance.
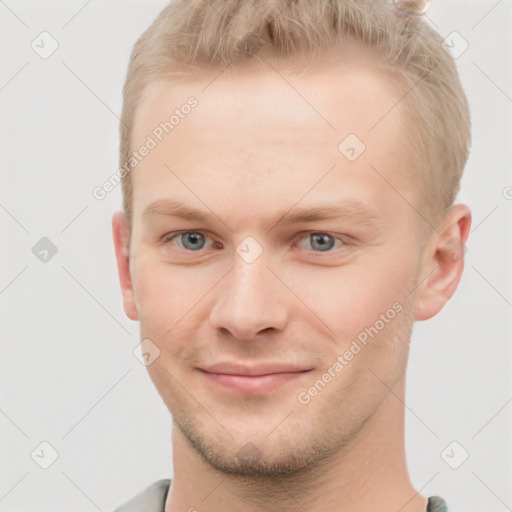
(351, 209)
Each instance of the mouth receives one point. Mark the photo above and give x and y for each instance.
(253, 384)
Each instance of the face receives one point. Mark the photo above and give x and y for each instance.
(276, 311)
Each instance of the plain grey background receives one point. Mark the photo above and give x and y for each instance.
(68, 373)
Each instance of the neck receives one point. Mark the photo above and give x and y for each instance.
(367, 475)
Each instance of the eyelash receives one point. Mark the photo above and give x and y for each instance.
(169, 237)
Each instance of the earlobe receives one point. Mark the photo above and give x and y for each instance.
(443, 263)
(120, 234)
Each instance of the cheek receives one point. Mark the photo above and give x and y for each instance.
(159, 298)
(161, 317)
(172, 301)
(350, 298)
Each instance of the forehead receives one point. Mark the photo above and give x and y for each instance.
(273, 126)
(358, 76)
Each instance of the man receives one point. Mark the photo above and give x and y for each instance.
(290, 173)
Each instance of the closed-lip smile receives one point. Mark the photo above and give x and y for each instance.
(253, 370)
(255, 378)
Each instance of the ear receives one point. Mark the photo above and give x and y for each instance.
(443, 263)
(121, 235)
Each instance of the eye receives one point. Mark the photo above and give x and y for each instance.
(322, 242)
(190, 240)
(194, 241)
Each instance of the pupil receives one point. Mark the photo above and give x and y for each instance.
(323, 241)
(193, 238)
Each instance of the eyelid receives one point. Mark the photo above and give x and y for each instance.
(168, 237)
(303, 234)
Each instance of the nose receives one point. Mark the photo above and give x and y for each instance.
(250, 300)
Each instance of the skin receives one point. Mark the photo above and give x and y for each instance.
(252, 148)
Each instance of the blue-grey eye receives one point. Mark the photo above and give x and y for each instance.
(192, 240)
(323, 241)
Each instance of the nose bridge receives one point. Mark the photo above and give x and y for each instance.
(249, 299)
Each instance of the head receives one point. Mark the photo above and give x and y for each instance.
(298, 210)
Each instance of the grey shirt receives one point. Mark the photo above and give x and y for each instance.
(152, 499)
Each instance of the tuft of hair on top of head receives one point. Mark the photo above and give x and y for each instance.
(190, 36)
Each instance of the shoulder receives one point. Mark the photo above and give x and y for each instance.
(151, 499)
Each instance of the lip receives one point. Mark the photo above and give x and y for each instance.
(252, 380)
(253, 370)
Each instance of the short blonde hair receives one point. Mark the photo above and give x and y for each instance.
(195, 35)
